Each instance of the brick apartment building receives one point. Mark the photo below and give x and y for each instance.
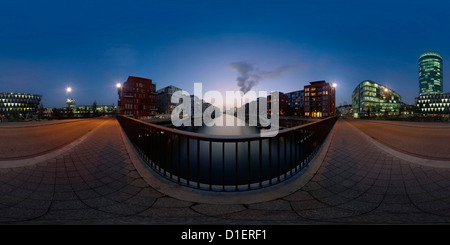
(137, 97)
(319, 99)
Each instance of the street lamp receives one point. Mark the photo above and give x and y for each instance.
(68, 90)
(386, 94)
(119, 86)
(333, 98)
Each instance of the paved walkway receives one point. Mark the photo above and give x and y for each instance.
(96, 183)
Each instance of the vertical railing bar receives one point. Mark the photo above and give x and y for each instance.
(198, 163)
(170, 155)
(223, 166)
(166, 153)
(237, 165)
(260, 163)
(278, 159)
(249, 164)
(210, 165)
(290, 155)
(188, 161)
(270, 161)
(179, 158)
(285, 157)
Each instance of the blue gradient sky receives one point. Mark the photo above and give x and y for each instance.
(46, 46)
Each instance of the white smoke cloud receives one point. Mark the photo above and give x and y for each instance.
(249, 75)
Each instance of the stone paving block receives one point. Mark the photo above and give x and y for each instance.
(99, 202)
(298, 196)
(136, 200)
(358, 206)
(21, 213)
(371, 198)
(168, 202)
(122, 209)
(278, 204)
(179, 214)
(307, 205)
(397, 208)
(217, 210)
(328, 213)
(262, 215)
(87, 194)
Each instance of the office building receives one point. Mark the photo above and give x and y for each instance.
(164, 96)
(371, 99)
(319, 99)
(430, 73)
(20, 104)
(137, 97)
(434, 104)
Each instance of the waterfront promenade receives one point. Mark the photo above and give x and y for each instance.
(96, 179)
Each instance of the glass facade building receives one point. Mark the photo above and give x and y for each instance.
(372, 99)
(19, 103)
(430, 73)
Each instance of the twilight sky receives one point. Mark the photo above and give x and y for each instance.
(46, 46)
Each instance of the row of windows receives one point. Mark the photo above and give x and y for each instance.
(11, 109)
(435, 109)
(19, 96)
(435, 96)
(20, 100)
(434, 105)
(316, 108)
(317, 114)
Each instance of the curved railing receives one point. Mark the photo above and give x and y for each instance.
(226, 163)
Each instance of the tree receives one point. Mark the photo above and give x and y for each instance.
(368, 112)
(94, 108)
(55, 113)
(41, 111)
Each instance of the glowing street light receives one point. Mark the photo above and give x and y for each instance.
(69, 89)
(334, 85)
(119, 103)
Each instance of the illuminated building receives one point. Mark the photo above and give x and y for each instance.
(296, 101)
(19, 103)
(434, 104)
(430, 73)
(372, 99)
(137, 97)
(319, 99)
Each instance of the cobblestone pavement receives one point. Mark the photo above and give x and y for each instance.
(96, 183)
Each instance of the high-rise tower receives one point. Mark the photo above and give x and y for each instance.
(430, 73)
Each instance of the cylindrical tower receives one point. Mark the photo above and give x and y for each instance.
(430, 73)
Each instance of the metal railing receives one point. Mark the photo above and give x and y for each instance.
(226, 163)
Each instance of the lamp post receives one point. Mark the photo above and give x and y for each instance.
(386, 94)
(333, 98)
(68, 90)
(119, 86)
